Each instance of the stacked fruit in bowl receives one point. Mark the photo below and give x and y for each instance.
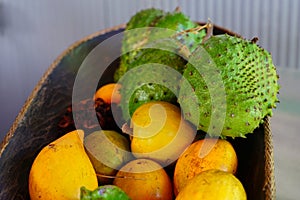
(180, 96)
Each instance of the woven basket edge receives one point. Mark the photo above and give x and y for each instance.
(269, 184)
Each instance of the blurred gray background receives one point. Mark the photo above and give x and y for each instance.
(33, 33)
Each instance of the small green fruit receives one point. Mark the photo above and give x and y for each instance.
(105, 192)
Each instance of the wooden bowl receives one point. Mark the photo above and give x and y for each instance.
(37, 125)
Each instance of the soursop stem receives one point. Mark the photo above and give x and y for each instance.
(178, 9)
(208, 26)
(209, 32)
(185, 51)
(127, 129)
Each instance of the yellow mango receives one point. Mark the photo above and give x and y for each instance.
(61, 168)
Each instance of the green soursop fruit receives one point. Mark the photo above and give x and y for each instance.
(137, 37)
(145, 18)
(161, 44)
(151, 79)
(139, 33)
(180, 23)
(230, 86)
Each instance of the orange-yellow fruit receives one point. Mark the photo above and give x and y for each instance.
(213, 185)
(159, 132)
(144, 179)
(203, 155)
(109, 93)
(61, 169)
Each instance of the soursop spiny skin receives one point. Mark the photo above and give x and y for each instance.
(250, 81)
(145, 18)
(138, 37)
(150, 25)
(151, 83)
(159, 45)
(179, 22)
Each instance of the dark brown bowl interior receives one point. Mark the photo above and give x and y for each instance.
(36, 124)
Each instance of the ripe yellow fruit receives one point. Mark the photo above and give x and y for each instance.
(203, 155)
(109, 93)
(213, 185)
(61, 168)
(159, 132)
(144, 179)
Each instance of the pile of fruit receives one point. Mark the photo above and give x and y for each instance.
(181, 92)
